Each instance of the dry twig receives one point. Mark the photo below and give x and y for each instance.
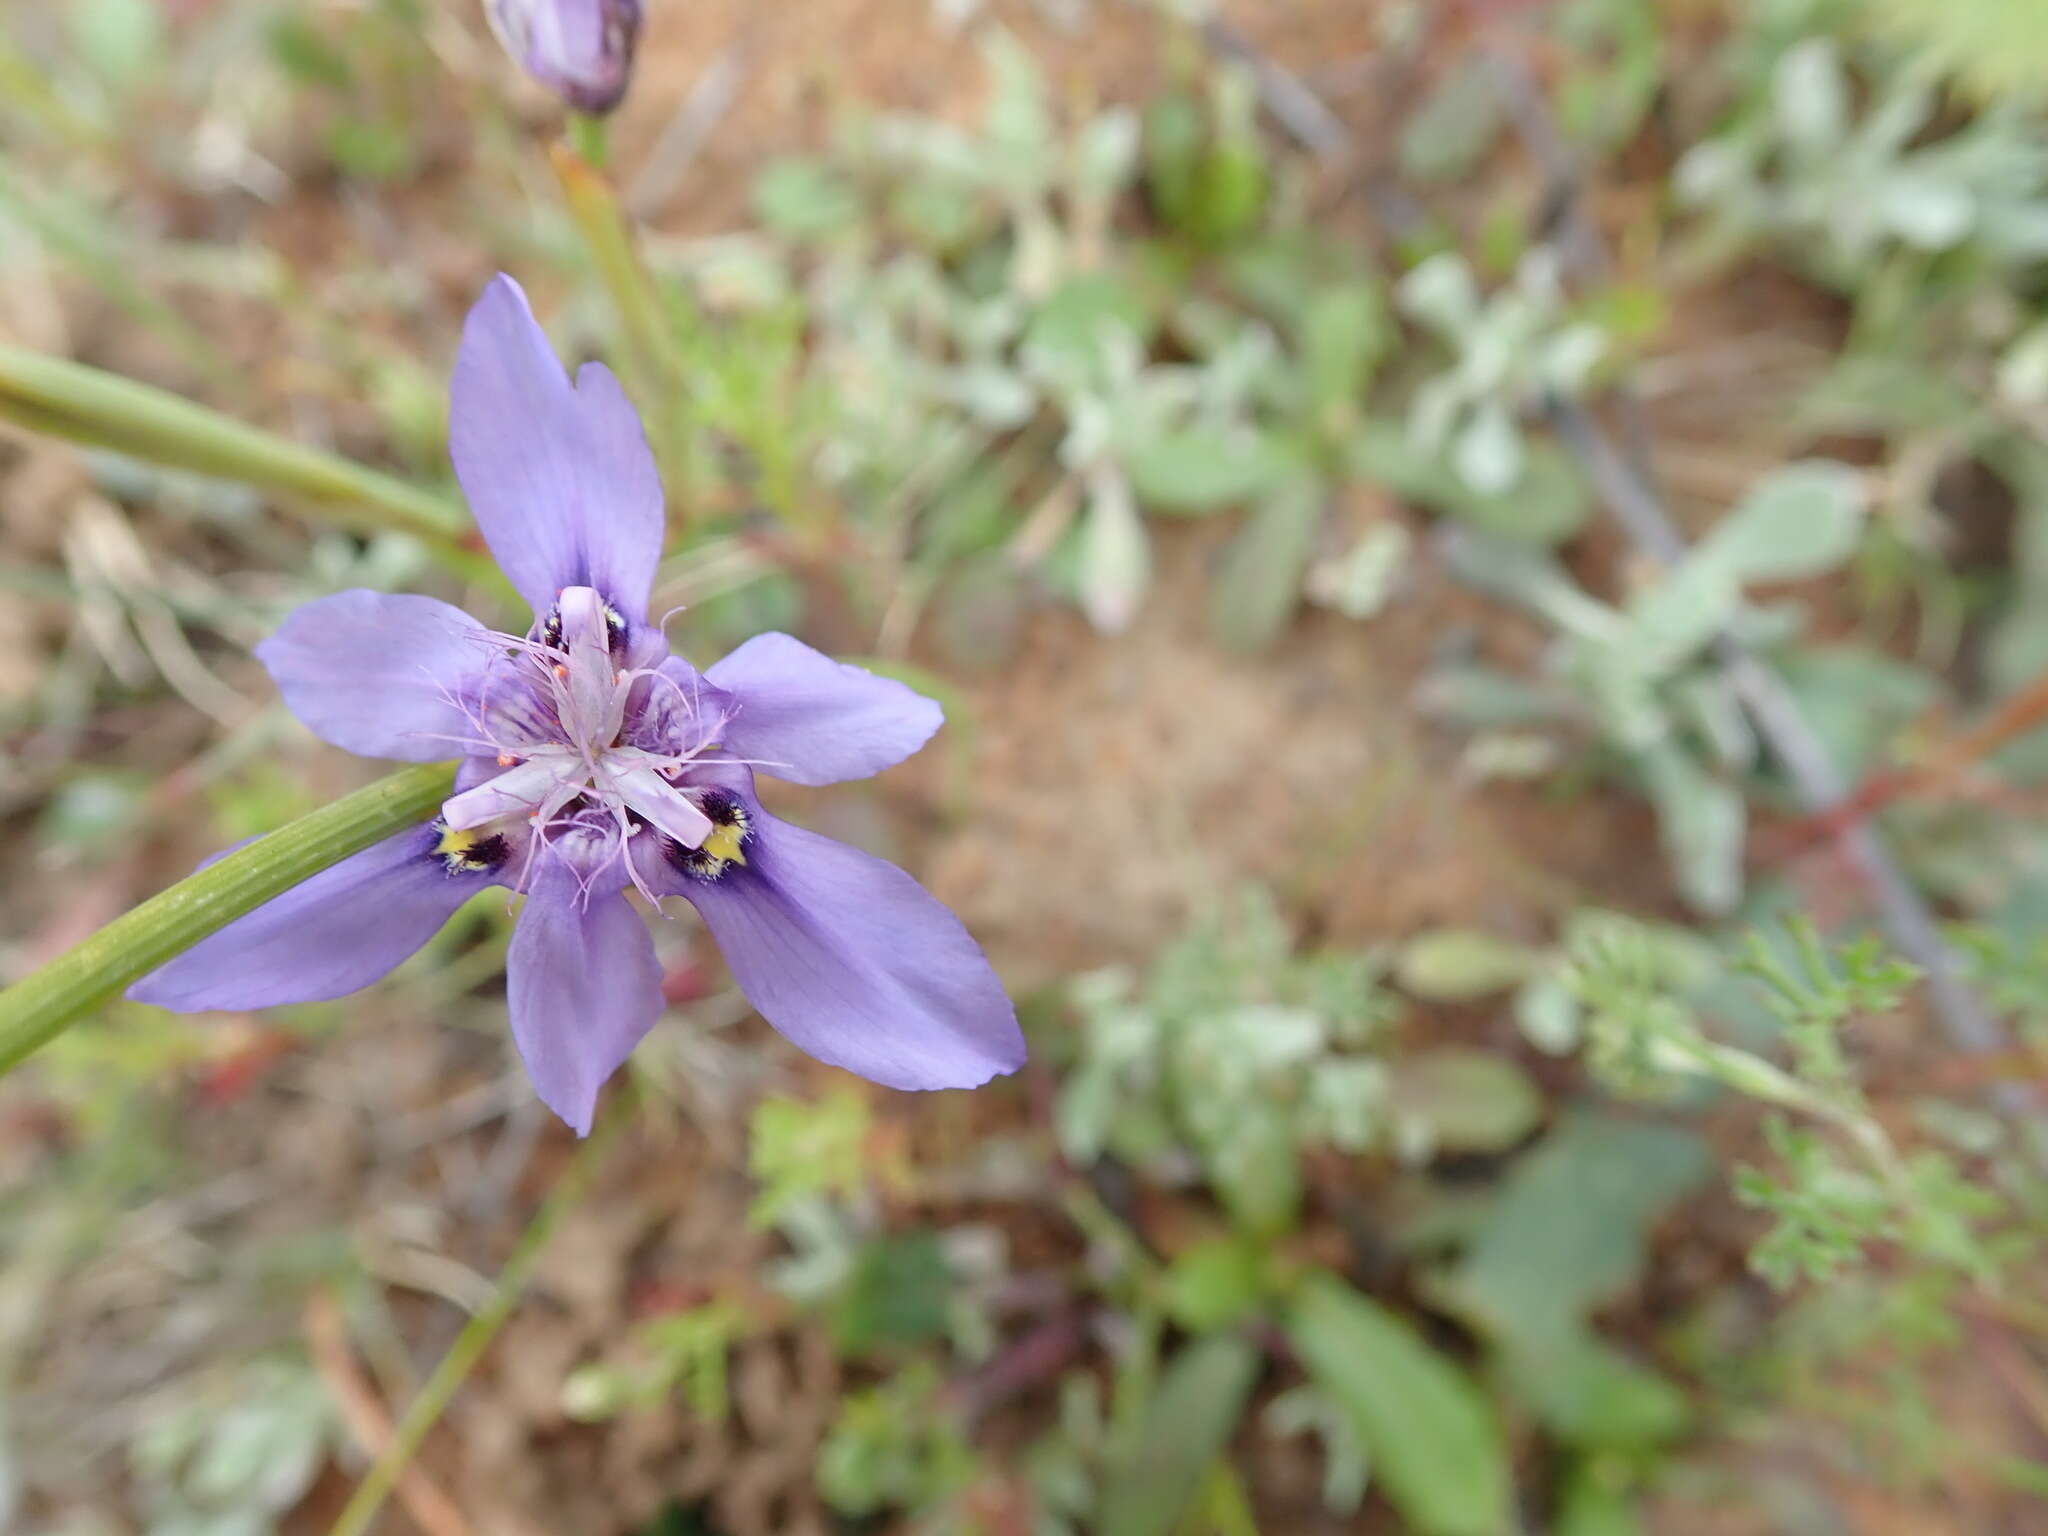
(687, 133)
(1296, 108)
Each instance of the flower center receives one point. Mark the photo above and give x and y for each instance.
(556, 711)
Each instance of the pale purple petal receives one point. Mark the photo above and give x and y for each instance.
(583, 987)
(332, 935)
(801, 716)
(472, 771)
(560, 477)
(379, 675)
(855, 962)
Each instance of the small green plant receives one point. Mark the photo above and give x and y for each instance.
(891, 1448)
(232, 1455)
(1884, 1241)
(1514, 350)
(1843, 1187)
(1852, 188)
(1237, 1062)
(1644, 676)
(1235, 1051)
(683, 1354)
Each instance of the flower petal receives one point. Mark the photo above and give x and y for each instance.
(339, 931)
(559, 476)
(380, 675)
(855, 962)
(804, 717)
(584, 987)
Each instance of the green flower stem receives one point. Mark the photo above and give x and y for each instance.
(40, 1006)
(588, 137)
(61, 398)
(648, 350)
(608, 233)
(426, 1409)
(1751, 1075)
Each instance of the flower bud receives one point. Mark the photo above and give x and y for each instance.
(580, 49)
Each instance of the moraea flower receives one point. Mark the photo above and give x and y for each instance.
(595, 761)
(582, 50)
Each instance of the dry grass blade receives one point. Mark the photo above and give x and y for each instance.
(366, 1417)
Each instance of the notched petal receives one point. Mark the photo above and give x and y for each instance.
(558, 474)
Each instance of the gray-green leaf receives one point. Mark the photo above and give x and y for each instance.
(1446, 137)
(1704, 822)
(1259, 584)
(1568, 1232)
(1467, 1100)
(1201, 469)
(1344, 333)
(1799, 521)
(1455, 965)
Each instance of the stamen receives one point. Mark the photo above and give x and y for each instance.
(516, 789)
(661, 804)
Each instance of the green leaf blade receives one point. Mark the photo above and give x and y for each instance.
(1436, 1448)
(103, 410)
(1188, 1424)
(47, 1001)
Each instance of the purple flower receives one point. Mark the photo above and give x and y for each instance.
(582, 50)
(593, 761)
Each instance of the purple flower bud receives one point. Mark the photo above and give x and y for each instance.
(580, 49)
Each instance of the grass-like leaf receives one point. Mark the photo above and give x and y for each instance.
(46, 1002)
(61, 398)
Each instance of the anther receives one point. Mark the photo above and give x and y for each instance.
(470, 851)
(724, 847)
